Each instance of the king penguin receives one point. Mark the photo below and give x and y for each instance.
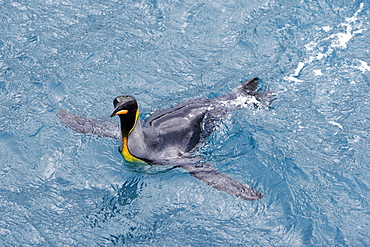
(171, 136)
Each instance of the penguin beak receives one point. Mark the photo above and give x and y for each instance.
(118, 112)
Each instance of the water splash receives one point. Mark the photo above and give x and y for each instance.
(352, 25)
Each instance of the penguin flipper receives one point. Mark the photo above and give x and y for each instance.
(212, 177)
(89, 126)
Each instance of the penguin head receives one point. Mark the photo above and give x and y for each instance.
(127, 109)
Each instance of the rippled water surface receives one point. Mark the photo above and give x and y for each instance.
(309, 153)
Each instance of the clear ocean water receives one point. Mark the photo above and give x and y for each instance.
(309, 153)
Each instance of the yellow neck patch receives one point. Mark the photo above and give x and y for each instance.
(125, 152)
(127, 155)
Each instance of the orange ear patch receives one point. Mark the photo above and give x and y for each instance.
(121, 112)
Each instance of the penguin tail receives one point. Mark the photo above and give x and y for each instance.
(252, 88)
(249, 86)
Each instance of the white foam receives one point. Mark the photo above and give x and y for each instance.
(310, 46)
(299, 68)
(341, 39)
(317, 72)
(336, 124)
(327, 28)
(241, 101)
(354, 17)
(363, 67)
(320, 56)
(338, 40)
(293, 77)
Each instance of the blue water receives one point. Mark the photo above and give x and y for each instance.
(309, 153)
